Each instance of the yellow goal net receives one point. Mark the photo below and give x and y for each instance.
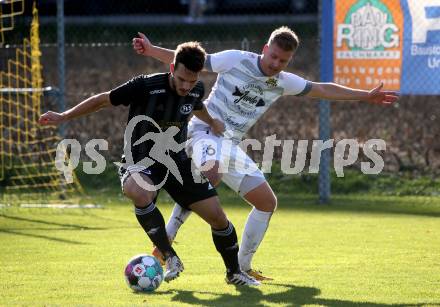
(27, 150)
(8, 10)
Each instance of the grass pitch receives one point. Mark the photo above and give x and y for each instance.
(358, 251)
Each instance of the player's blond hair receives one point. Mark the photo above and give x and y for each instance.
(285, 38)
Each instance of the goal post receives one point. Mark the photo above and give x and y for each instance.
(28, 150)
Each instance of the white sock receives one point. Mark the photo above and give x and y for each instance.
(177, 218)
(253, 234)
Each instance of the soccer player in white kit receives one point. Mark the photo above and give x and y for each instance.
(247, 85)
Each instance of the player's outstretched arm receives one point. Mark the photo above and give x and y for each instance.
(87, 106)
(333, 91)
(217, 126)
(143, 46)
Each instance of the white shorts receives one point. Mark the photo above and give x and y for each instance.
(238, 170)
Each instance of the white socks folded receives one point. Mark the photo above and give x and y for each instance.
(253, 234)
(177, 218)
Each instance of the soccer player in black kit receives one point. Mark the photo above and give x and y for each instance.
(150, 154)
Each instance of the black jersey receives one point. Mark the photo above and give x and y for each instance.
(151, 95)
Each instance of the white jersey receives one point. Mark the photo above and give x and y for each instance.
(242, 93)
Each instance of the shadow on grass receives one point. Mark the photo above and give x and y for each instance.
(32, 235)
(59, 226)
(71, 226)
(292, 296)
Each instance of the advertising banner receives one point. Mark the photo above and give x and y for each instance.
(390, 41)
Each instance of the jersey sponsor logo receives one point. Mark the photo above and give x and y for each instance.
(196, 95)
(159, 91)
(186, 108)
(272, 82)
(249, 97)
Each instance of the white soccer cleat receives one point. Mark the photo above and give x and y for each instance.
(173, 268)
(241, 279)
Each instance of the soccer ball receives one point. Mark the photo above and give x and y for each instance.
(143, 273)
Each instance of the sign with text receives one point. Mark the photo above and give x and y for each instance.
(389, 41)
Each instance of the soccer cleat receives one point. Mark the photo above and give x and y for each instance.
(158, 254)
(257, 275)
(241, 279)
(173, 268)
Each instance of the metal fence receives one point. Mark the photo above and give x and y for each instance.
(97, 55)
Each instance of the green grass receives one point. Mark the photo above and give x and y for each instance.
(357, 251)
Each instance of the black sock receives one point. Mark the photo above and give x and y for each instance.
(226, 243)
(153, 223)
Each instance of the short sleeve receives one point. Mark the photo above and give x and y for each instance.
(131, 92)
(295, 85)
(223, 61)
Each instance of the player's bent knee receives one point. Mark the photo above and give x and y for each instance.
(216, 217)
(272, 204)
(268, 204)
(219, 221)
(211, 212)
(138, 195)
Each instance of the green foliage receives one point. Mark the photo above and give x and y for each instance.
(107, 181)
(354, 182)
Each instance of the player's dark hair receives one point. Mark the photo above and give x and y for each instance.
(285, 38)
(190, 54)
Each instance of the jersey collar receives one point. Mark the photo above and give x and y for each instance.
(261, 70)
(259, 66)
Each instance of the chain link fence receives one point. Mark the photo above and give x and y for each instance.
(99, 56)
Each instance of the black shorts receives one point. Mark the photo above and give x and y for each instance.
(192, 190)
